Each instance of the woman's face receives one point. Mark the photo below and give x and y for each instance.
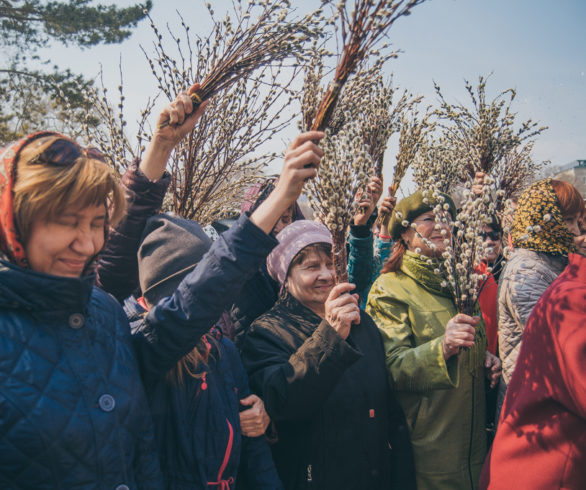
(426, 234)
(491, 243)
(285, 219)
(311, 281)
(573, 224)
(65, 246)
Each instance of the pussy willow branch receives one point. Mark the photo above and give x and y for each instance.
(361, 30)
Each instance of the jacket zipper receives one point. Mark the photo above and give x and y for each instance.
(225, 484)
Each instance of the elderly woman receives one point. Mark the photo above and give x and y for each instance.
(435, 357)
(317, 362)
(544, 228)
(73, 411)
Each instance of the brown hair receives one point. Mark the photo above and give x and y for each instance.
(393, 263)
(570, 200)
(189, 363)
(317, 248)
(45, 191)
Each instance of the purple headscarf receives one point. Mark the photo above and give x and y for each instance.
(292, 239)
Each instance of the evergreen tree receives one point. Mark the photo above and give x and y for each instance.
(35, 99)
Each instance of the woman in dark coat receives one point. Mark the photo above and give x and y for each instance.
(317, 361)
(73, 413)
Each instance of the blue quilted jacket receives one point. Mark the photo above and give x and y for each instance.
(73, 412)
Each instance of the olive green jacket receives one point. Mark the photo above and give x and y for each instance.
(443, 400)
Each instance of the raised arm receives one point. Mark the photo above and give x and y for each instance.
(174, 326)
(145, 183)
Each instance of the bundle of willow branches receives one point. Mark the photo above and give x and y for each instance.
(484, 133)
(247, 45)
(437, 165)
(360, 30)
(344, 170)
(413, 133)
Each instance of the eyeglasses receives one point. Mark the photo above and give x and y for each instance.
(493, 235)
(63, 152)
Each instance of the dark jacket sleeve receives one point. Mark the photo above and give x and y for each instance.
(360, 259)
(295, 386)
(117, 271)
(257, 469)
(174, 326)
(257, 297)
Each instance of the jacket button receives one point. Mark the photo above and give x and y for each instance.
(107, 402)
(122, 487)
(76, 320)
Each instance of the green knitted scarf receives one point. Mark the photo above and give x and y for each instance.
(423, 272)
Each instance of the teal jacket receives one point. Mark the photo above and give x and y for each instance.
(365, 260)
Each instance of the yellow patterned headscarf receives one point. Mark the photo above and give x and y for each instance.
(538, 224)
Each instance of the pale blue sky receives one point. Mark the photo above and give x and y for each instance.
(537, 47)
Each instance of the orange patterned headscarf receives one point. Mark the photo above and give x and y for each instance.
(538, 224)
(10, 243)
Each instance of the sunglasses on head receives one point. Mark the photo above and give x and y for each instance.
(63, 152)
(493, 235)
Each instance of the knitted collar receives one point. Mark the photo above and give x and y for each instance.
(538, 224)
(423, 272)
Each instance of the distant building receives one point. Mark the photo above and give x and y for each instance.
(574, 173)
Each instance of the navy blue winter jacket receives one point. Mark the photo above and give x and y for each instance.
(73, 413)
(197, 429)
(197, 423)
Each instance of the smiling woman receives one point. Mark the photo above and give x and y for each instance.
(80, 383)
(64, 196)
(318, 363)
(434, 355)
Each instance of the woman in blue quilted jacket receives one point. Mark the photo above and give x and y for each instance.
(73, 413)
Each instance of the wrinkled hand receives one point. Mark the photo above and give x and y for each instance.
(367, 201)
(460, 332)
(302, 160)
(478, 183)
(181, 116)
(255, 420)
(493, 367)
(388, 204)
(342, 309)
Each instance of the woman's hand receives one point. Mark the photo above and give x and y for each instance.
(460, 332)
(255, 420)
(182, 120)
(493, 367)
(478, 183)
(386, 207)
(302, 160)
(342, 309)
(367, 201)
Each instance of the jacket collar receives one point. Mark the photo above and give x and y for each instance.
(298, 313)
(577, 268)
(556, 263)
(22, 288)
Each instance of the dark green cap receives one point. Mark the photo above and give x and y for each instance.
(409, 208)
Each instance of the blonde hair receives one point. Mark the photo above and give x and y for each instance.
(44, 191)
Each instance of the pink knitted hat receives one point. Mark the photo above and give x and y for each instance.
(292, 239)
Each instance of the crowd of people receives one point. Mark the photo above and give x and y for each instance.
(138, 351)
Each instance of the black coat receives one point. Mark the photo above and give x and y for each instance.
(335, 415)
